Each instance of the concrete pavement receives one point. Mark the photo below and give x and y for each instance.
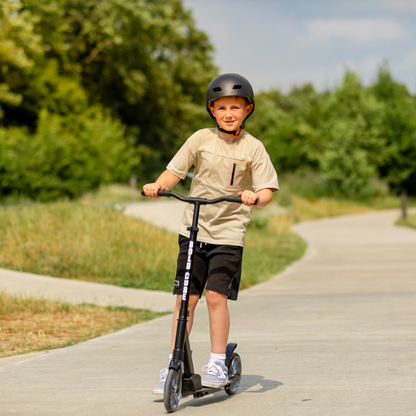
(77, 291)
(332, 335)
(166, 213)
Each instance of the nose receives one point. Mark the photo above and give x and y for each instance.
(228, 112)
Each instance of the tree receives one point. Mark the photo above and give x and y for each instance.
(62, 158)
(288, 126)
(399, 127)
(144, 60)
(353, 137)
(53, 143)
(17, 42)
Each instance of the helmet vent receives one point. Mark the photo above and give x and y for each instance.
(237, 87)
(217, 89)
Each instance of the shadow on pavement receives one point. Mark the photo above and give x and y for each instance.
(257, 384)
(250, 384)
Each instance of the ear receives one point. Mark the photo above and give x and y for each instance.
(249, 109)
(212, 110)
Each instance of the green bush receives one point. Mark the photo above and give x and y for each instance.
(64, 158)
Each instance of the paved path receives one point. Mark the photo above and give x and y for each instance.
(332, 335)
(166, 213)
(77, 291)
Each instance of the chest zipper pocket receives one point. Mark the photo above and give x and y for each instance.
(232, 175)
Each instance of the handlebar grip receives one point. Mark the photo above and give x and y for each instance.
(236, 199)
(160, 193)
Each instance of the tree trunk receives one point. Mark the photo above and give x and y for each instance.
(404, 206)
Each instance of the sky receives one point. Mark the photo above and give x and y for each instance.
(286, 43)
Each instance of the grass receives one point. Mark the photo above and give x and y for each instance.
(87, 243)
(29, 324)
(110, 195)
(410, 221)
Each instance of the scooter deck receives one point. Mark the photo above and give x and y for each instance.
(189, 388)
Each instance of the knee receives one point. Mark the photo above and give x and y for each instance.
(215, 300)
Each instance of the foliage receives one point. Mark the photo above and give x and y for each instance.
(353, 137)
(64, 157)
(143, 66)
(17, 41)
(399, 128)
(144, 60)
(348, 138)
(288, 126)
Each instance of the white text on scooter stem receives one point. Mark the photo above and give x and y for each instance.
(187, 274)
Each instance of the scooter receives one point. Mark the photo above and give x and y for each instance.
(182, 380)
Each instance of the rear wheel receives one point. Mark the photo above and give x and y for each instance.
(173, 388)
(234, 374)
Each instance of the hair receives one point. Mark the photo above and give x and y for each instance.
(246, 100)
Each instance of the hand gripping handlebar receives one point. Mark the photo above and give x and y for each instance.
(201, 201)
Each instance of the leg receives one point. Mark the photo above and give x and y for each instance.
(193, 301)
(219, 327)
(219, 321)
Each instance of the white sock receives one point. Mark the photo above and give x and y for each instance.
(217, 357)
(170, 358)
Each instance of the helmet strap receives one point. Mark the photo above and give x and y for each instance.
(233, 132)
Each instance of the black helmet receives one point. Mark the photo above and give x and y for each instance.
(229, 85)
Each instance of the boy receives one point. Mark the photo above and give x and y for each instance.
(228, 161)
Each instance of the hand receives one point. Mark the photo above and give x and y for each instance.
(248, 197)
(151, 189)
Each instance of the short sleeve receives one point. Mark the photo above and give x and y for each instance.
(263, 172)
(185, 157)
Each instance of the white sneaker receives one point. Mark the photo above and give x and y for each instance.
(216, 376)
(160, 387)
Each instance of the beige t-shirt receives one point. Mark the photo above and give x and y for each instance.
(222, 169)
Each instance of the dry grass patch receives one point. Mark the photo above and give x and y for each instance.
(410, 221)
(309, 209)
(29, 324)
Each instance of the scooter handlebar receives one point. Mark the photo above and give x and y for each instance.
(203, 201)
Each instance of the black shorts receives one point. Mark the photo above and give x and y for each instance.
(216, 267)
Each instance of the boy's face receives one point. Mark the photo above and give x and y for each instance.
(230, 112)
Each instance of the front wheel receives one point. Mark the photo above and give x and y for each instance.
(173, 388)
(234, 374)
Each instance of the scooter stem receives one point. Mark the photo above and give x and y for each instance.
(181, 331)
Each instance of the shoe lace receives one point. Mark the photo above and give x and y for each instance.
(164, 374)
(215, 369)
